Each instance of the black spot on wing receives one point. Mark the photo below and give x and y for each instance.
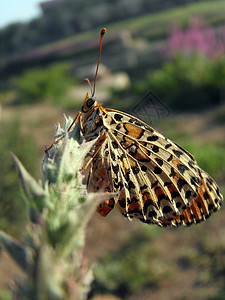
(122, 203)
(195, 180)
(152, 138)
(155, 149)
(115, 145)
(191, 164)
(152, 214)
(182, 168)
(172, 174)
(159, 161)
(131, 185)
(115, 169)
(118, 127)
(166, 209)
(188, 194)
(218, 192)
(170, 158)
(177, 153)
(180, 183)
(206, 196)
(168, 146)
(135, 170)
(210, 206)
(141, 134)
(118, 117)
(157, 170)
(143, 187)
(113, 156)
(175, 195)
(178, 204)
(154, 184)
(144, 168)
(162, 197)
(118, 186)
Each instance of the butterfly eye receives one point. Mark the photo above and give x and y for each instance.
(90, 102)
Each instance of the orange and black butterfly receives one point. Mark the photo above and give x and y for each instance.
(154, 179)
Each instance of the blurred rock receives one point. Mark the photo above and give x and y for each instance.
(105, 82)
(88, 71)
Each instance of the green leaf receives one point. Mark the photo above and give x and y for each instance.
(35, 195)
(21, 255)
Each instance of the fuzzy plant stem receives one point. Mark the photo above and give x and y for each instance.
(59, 209)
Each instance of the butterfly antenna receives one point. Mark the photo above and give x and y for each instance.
(88, 81)
(99, 55)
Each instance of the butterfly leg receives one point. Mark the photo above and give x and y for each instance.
(74, 121)
(59, 139)
(89, 176)
(99, 143)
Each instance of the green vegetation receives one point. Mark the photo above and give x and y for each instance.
(11, 204)
(37, 85)
(210, 157)
(5, 295)
(186, 83)
(190, 83)
(151, 25)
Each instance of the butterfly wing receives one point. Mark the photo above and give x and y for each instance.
(208, 200)
(157, 181)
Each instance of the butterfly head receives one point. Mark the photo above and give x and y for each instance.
(88, 104)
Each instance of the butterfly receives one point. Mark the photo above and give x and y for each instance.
(153, 179)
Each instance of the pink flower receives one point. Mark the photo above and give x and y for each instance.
(197, 38)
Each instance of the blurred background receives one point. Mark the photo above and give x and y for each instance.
(176, 49)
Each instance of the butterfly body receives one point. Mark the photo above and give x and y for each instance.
(156, 181)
